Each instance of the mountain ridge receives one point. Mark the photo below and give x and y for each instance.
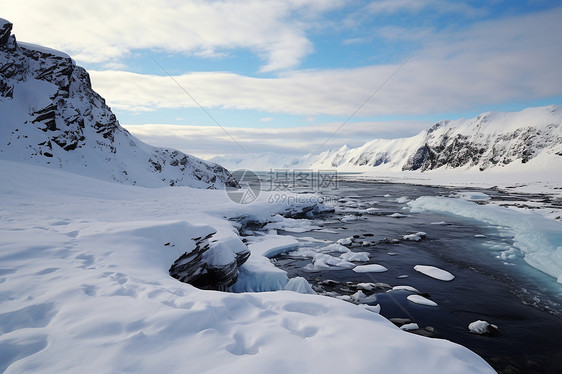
(51, 116)
(491, 140)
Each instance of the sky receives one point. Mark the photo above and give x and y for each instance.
(301, 76)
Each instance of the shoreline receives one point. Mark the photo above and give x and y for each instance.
(542, 197)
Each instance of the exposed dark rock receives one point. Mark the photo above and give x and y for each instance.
(192, 267)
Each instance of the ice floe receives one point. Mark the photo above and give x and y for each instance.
(355, 256)
(371, 268)
(418, 299)
(435, 272)
(405, 288)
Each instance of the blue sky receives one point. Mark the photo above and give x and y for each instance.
(291, 72)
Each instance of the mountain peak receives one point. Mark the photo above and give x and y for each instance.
(51, 116)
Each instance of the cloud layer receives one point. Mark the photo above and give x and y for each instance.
(105, 31)
(209, 141)
(491, 62)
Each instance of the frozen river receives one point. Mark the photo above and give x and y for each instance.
(492, 282)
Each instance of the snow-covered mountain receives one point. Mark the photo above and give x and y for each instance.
(51, 116)
(490, 141)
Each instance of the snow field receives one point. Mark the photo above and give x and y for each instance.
(85, 288)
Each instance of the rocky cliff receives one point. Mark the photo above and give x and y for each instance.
(50, 115)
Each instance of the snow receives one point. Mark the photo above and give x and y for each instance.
(435, 272)
(39, 48)
(371, 268)
(86, 289)
(418, 299)
(371, 308)
(537, 237)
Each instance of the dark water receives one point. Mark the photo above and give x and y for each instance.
(524, 303)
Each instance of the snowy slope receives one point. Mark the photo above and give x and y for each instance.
(489, 141)
(84, 288)
(50, 115)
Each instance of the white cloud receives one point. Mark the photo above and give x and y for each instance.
(209, 141)
(106, 31)
(492, 62)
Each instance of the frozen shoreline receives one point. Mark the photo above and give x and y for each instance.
(541, 195)
(85, 284)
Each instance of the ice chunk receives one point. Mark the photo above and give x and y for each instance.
(481, 327)
(323, 261)
(397, 215)
(371, 268)
(366, 286)
(410, 327)
(334, 247)
(345, 241)
(372, 210)
(355, 256)
(300, 285)
(435, 272)
(418, 299)
(473, 196)
(403, 200)
(350, 218)
(358, 296)
(405, 288)
(415, 237)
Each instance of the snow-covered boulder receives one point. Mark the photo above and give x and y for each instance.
(51, 116)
